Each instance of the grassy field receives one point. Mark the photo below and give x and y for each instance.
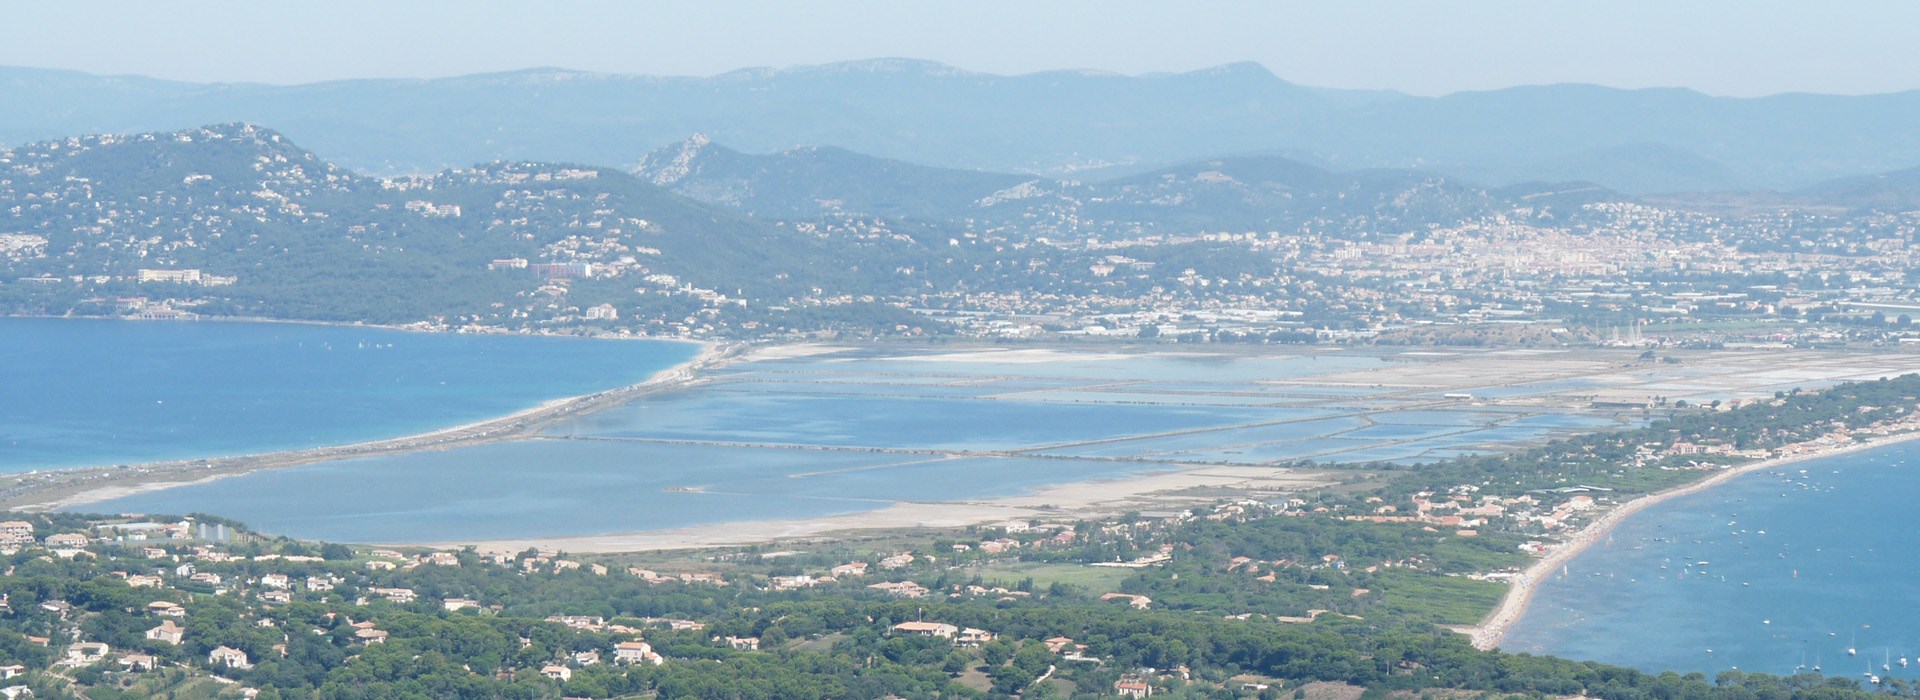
(168, 683)
(821, 645)
(1092, 578)
(1443, 600)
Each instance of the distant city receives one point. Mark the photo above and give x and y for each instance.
(1256, 249)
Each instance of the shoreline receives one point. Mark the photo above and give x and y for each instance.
(1075, 500)
(1491, 629)
(65, 487)
(415, 327)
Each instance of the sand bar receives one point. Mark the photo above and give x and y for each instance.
(1057, 502)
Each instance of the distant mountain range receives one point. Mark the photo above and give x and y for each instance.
(1247, 193)
(1064, 124)
(804, 182)
(1257, 193)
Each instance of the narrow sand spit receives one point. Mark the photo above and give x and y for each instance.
(64, 488)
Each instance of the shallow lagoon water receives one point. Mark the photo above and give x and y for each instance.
(849, 432)
(520, 489)
(1307, 424)
(887, 421)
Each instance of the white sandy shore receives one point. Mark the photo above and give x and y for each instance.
(66, 488)
(763, 353)
(1021, 356)
(1070, 501)
(1488, 633)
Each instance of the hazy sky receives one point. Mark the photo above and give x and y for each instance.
(1723, 47)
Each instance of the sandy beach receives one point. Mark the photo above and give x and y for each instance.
(1058, 502)
(1488, 633)
(65, 488)
(1019, 356)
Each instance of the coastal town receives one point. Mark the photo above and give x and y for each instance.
(574, 249)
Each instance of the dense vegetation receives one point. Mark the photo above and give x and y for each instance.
(1619, 460)
(828, 642)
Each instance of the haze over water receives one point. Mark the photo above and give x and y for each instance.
(1834, 568)
(81, 392)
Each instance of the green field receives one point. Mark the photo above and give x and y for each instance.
(1091, 578)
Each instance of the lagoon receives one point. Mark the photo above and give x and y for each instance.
(858, 430)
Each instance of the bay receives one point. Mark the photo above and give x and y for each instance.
(96, 392)
(1798, 568)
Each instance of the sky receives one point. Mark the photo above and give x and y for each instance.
(1720, 47)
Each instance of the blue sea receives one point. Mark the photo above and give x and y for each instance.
(97, 392)
(1771, 572)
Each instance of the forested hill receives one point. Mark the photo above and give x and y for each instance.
(1262, 192)
(806, 182)
(236, 220)
(269, 229)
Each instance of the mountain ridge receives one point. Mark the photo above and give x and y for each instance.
(1051, 124)
(298, 237)
(1256, 191)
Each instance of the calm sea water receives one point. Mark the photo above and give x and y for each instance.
(1798, 568)
(84, 392)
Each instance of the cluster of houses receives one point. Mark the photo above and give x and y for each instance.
(961, 636)
(628, 651)
(182, 560)
(632, 652)
(696, 578)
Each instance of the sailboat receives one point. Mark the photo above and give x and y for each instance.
(1851, 650)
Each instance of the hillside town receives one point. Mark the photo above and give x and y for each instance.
(561, 249)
